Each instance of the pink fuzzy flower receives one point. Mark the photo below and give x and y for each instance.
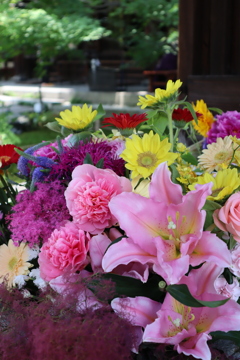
(65, 250)
(88, 195)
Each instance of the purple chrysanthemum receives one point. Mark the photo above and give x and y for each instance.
(38, 213)
(73, 157)
(227, 123)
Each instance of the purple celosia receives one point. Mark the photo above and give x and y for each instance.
(227, 123)
(36, 214)
(75, 156)
(52, 328)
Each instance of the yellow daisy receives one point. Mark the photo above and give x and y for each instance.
(218, 155)
(13, 262)
(78, 118)
(205, 120)
(143, 155)
(160, 94)
(224, 183)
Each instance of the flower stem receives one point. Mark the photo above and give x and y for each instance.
(8, 191)
(170, 127)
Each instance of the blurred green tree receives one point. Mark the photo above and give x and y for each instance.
(46, 28)
(146, 28)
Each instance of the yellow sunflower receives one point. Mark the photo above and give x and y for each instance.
(78, 118)
(206, 119)
(160, 94)
(13, 262)
(218, 155)
(224, 183)
(144, 154)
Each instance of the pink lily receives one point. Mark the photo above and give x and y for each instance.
(166, 230)
(188, 328)
(97, 247)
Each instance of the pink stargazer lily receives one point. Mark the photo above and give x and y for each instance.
(188, 329)
(166, 230)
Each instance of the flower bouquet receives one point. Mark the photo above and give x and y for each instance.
(123, 243)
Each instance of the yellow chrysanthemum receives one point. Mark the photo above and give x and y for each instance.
(205, 120)
(141, 188)
(13, 262)
(160, 94)
(218, 155)
(187, 175)
(181, 147)
(144, 154)
(224, 183)
(78, 118)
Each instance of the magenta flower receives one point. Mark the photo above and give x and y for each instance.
(227, 123)
(166, 230)
(72, 157)
(36, 214)
(65, 250)
(88, 195)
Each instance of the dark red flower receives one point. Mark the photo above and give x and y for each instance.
(183, 115)
(125, 121)
(8, 155)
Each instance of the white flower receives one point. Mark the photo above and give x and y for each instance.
(38, 281)
(20, 280)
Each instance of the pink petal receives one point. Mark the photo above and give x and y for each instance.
(162, 188)
(97, 247)
(123, 253)
(139, 310)
(211, 249)
(140, 218)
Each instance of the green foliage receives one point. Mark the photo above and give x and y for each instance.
(45, 31)
(6, 134)
(147, 28)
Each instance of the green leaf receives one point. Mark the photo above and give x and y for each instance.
(160, 122)
(188, 157)
(54, 126)
(175, 173)
(75, 138)
(100, 163)
(183, 295)
(230, 335)
(133, 287)
(152, 113)
(217, 110)
(88, 159)
(65, 132)
(100, 113)
(211, 205)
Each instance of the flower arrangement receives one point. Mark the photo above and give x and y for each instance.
(123, 243)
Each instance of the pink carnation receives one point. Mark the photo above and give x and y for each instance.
(88, 196)
(65, 250)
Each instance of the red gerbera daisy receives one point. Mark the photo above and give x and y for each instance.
(8, 155)
(183, 115)
(125, 121)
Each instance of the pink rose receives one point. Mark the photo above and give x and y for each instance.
(88, 195)
(228, 217)
(65, 250)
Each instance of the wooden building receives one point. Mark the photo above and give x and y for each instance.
(209, 51)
